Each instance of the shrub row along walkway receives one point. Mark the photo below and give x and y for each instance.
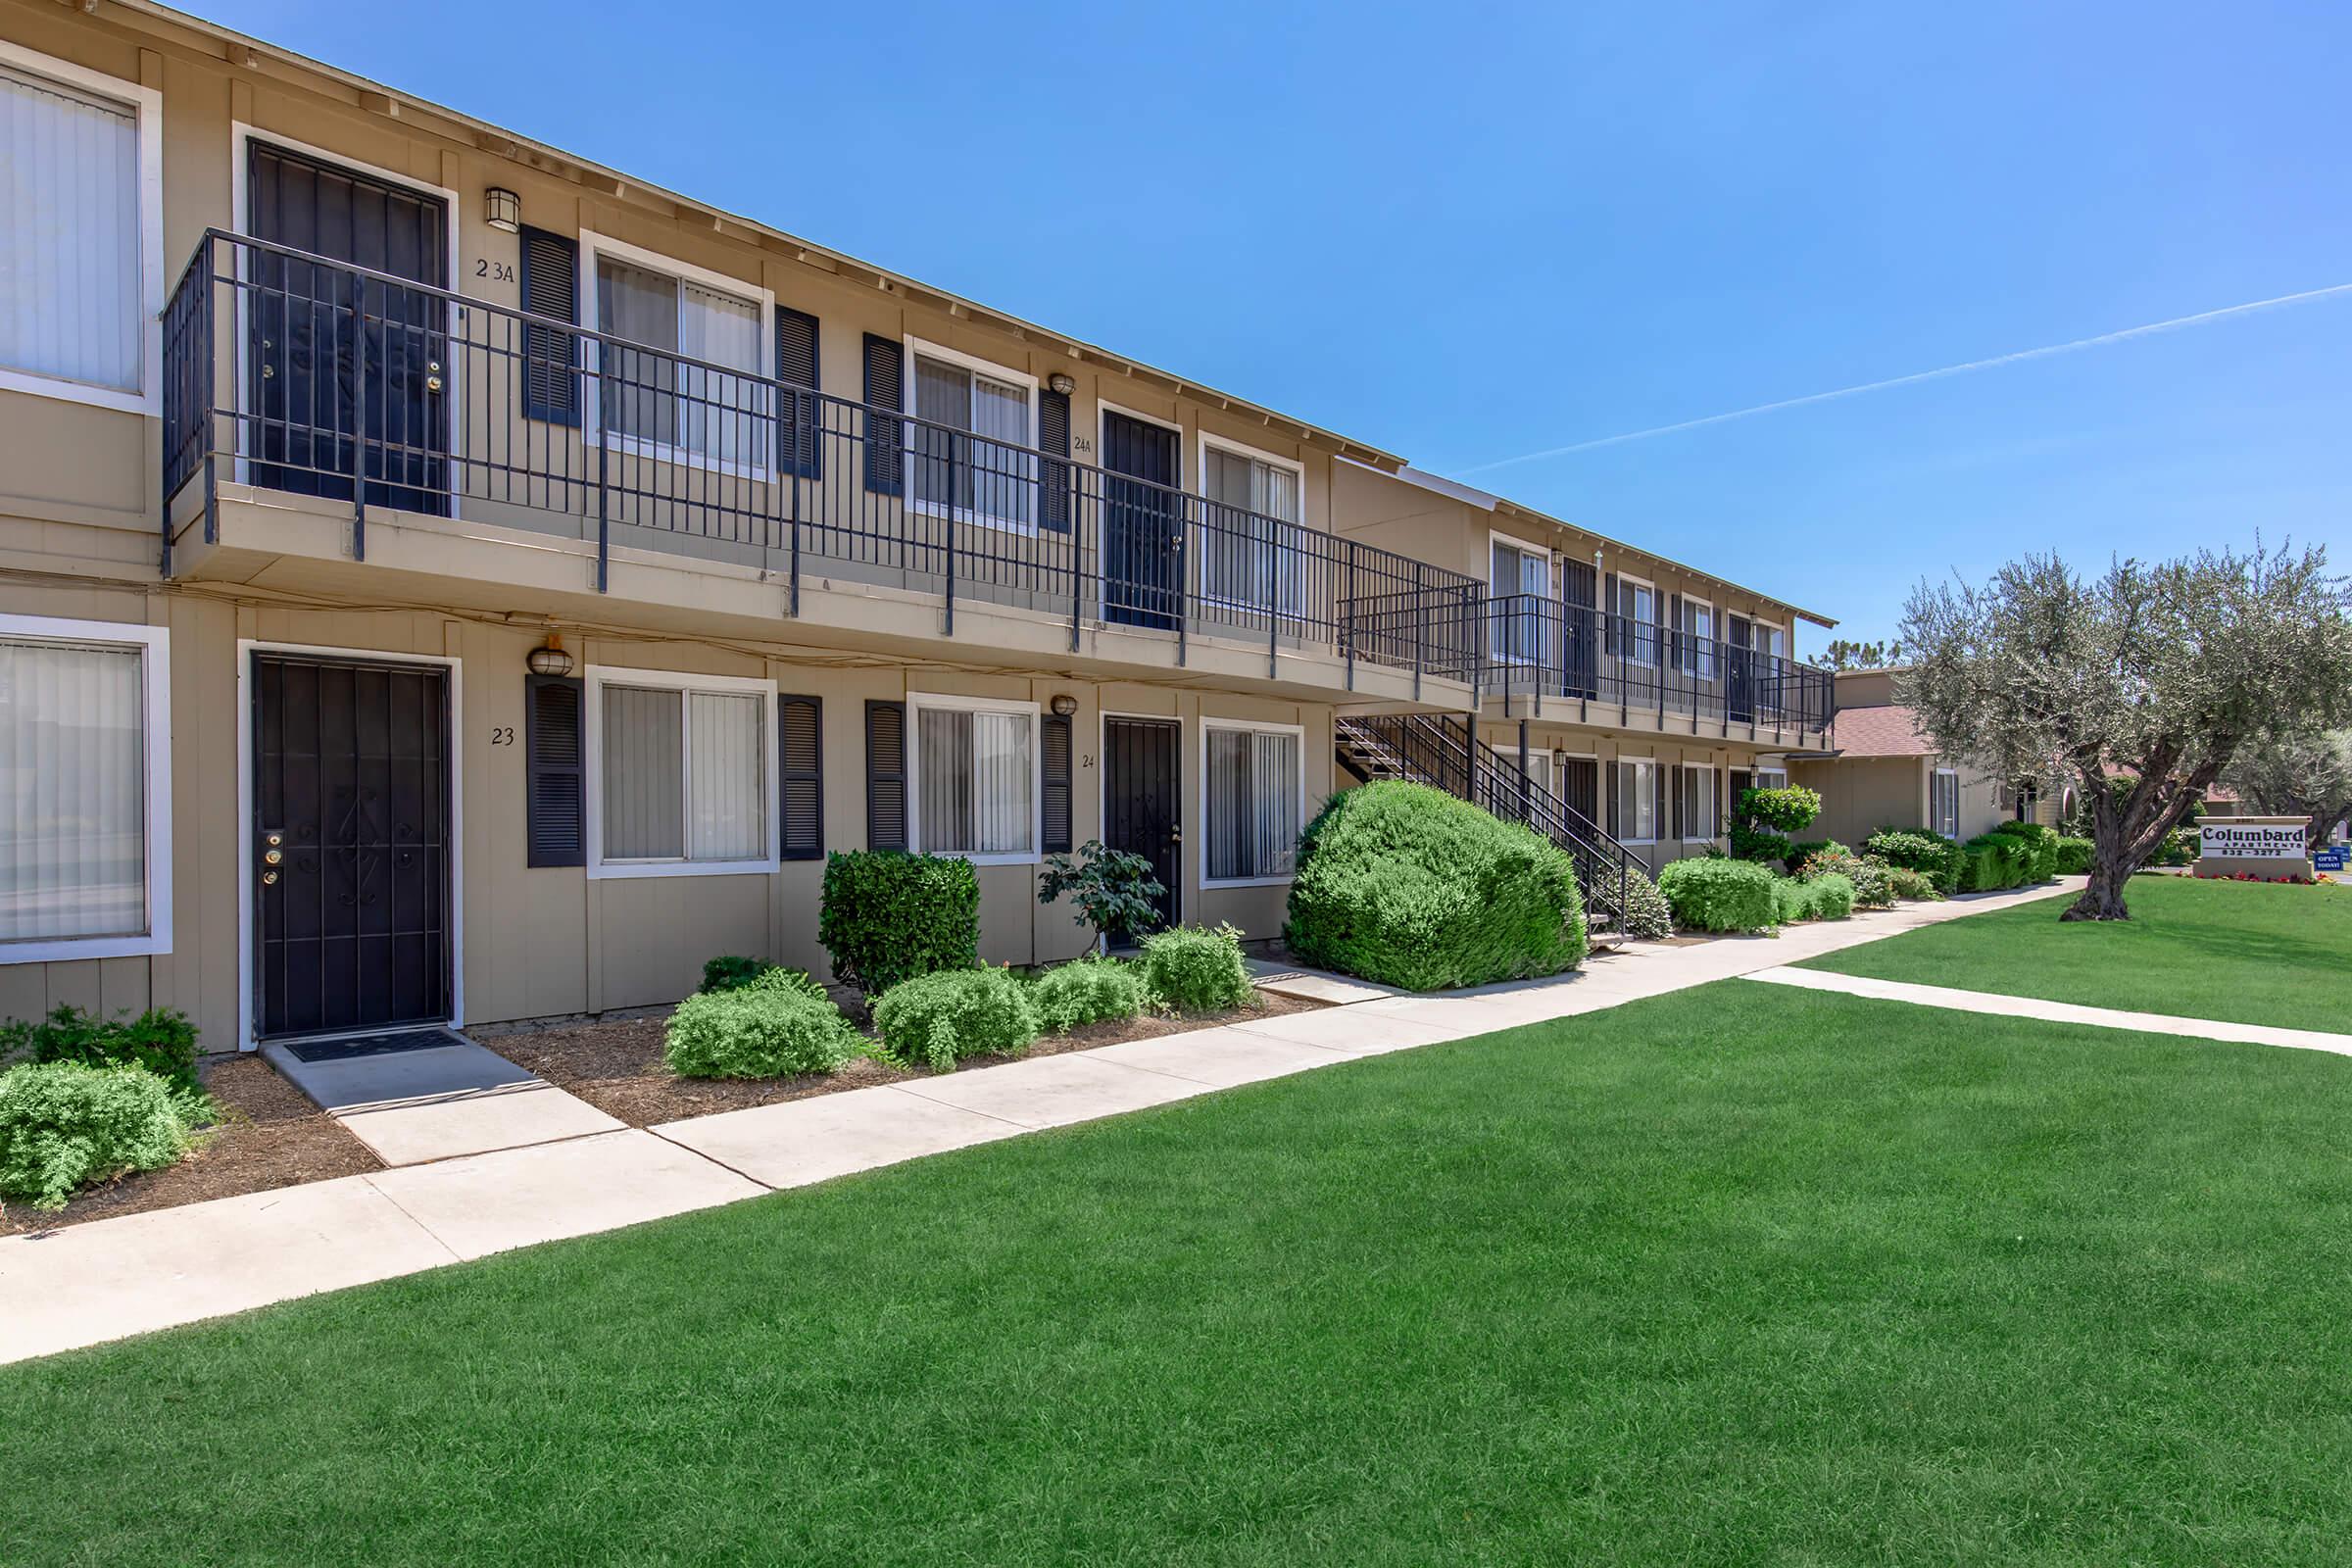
(1999, 1006)
(112, 1278)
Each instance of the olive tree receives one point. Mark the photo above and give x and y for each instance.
(2161, 672)
(2297, 776)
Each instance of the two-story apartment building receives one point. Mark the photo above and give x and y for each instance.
(443, 578)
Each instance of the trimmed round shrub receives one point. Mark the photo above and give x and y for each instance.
(1196, 969)
(889, 917)
(1792, 901)
(1411, 887)
(936, 1021)
(1832, 895)
(1708, 894)
(64, 1125)
(1089, 991)
(1646, 915)
(1791, 809)
(759, 1031)
(2074, 856)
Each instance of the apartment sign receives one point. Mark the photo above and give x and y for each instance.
(2252, 841)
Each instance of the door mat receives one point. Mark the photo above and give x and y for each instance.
(383, 1045)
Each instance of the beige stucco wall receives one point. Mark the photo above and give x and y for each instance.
(1861, 795)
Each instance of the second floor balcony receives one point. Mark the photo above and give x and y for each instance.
(340, 389)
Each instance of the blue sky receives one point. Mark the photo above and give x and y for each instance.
(1467, 233)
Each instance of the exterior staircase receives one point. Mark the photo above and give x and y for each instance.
(1447, 754)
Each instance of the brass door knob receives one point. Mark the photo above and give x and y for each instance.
(272, 857)
(268, 878)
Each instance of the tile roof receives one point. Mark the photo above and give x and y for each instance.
(1888, 731)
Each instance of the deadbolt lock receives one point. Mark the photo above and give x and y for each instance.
(274, 840)
(272, 857)
(433, 375)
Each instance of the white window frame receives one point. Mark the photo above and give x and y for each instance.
(592, 760)
(916, 702)
(1758, 623)
(1290, 604)
(154, 644)
(1655, 802)
(1715, 806)
(1755, 776)
(147, 108)
(1550, 595)
(1934, 825)
(1656, 657)
(1700, 662)
(1247, 726)
(594, 246)
(971, 517)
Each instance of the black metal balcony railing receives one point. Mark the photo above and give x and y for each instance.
(1539, 647)
(294, 372)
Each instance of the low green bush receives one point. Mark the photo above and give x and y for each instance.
(1930, 853)
(2040, 845)
(64, 1125)
(1712, 894)
(1790, 809)
(762, 1030)
(889, 917)
(1646, 915)
(1760, 844)
(2182, 846)
(1805, 848)
(1995, 860)
(1833, 897)
(737, 974)
(160, 1041)
(1870, 880)
(936, 1021)
(1909, 884)
(1089, 991)
(1407, 885)
(1196, 969)
(2075, 855)
(1792, 901)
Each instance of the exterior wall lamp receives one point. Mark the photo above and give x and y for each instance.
(1063, 704)
(550, 658)
(502, 209)
(1061, 383)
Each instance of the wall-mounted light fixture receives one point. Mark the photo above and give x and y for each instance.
(550, 658)
(1061, 382)
(502, 209)
(1063, 704)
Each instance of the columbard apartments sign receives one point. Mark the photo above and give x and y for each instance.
(2269, 846)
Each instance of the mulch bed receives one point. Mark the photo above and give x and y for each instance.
(615, 1065)
(269, 1135)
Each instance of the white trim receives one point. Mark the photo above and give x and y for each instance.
(242, 134)
(1934, 827)
(1103, 718)
(154, 644)
(1242, 449)
(146, 105)
(1104, 406)
(1706, 663)
(249, 949)
(593, 246)
(1247, 726)
(592, 792)
(916, 702)
(1657, 652)
(1715, 807)
(1656, 804)
(973, 516)
(1551, 593)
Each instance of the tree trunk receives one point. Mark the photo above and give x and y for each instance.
(2103, 898)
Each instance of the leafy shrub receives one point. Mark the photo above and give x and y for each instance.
(1790, 809)
(762, 1030)
(1115, 891)
(1868, 880)
(63, 1124)
(1712, 894)
(936, 1021)
(1759, 843)
(1995, 860)
(731, 972)
(160, 1041)
(1832, 895)
(1931, 854)
(889, 917)
(2075, 855)
(1646, 914)
(1909, 884)
(2182, 846)
(1792, 901)
(1088, 991)
(1194, 970)
(2042, 848)
(1805, 848)
(1407, 885)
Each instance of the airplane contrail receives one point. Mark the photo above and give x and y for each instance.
(2021, 356)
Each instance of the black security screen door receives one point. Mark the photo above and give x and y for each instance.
(351, 794)
(328, 355)
(1579, 786)
(1140, 812)
(1142, 581)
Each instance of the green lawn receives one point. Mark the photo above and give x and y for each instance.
(2249, 951)
(1742, 1274)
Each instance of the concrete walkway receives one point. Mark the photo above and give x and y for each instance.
(108, 1279)
(439, 1102)
(2006, 1006)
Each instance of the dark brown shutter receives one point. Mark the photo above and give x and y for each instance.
(884, 438)
(800, 723)
(1056, 751)
(885, 775)
(1608, 613)
(1675, 773)
(1679, 655)
(1053, 439)
(550, 358)
(555, 823)
(798, 417)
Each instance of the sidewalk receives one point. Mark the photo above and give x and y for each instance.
(112, 1278)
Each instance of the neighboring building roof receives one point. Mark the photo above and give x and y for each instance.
(1888, 731)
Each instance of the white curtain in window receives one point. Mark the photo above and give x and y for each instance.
(1636, 801)
(68, 234)
(1274, 793)
(1252, 804)
(73, 792)
(979, 776)
(1253, 553)
(1698, 803)
(640, 389)
(722, 416)
(644, 768)
(999, 477)
(726, 777)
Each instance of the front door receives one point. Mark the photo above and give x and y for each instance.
(1143, 529)
(1579, 786)
(329, 355)
(1580, 641)
(1140, 813)
(352, 878)
(1740, 699)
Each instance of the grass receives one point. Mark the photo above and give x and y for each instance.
(2248, 952)
(1739, 1274)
